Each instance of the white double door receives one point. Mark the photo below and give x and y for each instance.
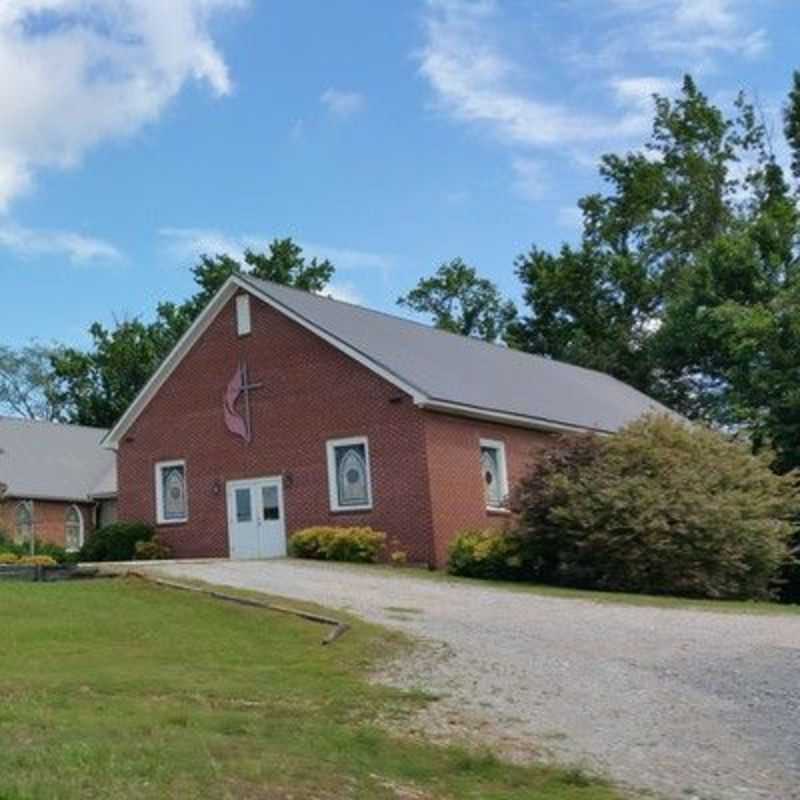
(256, 527)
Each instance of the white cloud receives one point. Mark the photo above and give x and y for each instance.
(689, 33)
(187, 244)
(638, 91)
(473, 82)
(29, 242)
(342, 103)
(470, 66)
(85, 71)
(530, 181)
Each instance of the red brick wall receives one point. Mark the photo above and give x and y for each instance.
(456, 483)
(312, 392)
(49, 518)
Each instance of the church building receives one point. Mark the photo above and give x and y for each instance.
(280, 409)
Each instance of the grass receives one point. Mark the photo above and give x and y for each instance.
(120, 689)
(614, 598)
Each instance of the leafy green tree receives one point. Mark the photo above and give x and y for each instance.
(95, 386)
(28, 384)
(461, 302)
(685, 282)
(791, 118)
(98, 384)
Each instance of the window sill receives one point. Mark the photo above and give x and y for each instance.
(501, 512)
(351, 510)
(160, 523)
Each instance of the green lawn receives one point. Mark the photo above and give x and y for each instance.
(619, 598)
(120, 689)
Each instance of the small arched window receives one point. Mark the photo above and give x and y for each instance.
(73, 529)
(23, 522)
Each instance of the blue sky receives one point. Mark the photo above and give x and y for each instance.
(387, 136)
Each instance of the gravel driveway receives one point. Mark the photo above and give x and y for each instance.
(689, 704)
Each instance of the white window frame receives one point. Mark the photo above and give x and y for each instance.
(159, 468)
(502, 464)
(81, 532)
(333, 486)
(30, 507)
(243, 321)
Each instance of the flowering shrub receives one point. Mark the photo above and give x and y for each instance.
(486, 554)
(362, 545)
(37, 561)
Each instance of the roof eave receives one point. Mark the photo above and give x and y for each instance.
(49, 498)
(508, 418)
(103, 496)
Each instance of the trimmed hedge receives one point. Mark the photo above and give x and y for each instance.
(116, 542)
(360, 545)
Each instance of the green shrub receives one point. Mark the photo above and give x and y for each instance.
(661, 507)
(362, 545)
(789, 582)
(154, 550)
(116, 542)
(486, 554)
(54, 551)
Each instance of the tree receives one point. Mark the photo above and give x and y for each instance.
(98, 384)
(27, 382)
(791, 119)
(95, 386)
(686, 280)
(461, 302)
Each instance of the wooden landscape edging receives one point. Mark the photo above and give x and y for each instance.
(339, 627)
(37, 573)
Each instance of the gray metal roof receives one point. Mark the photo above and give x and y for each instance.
(453, 369)
(47, 460)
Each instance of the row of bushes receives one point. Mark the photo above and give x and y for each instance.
(121, 541)
(660, 508)
(11, 559)
(128, 541)
(11, 552)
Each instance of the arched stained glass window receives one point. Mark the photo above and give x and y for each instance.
(172, 503)
(352, 477)
(493, 473)
(174, 493)
(73, 529)
(23, 522)
(348, 474)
